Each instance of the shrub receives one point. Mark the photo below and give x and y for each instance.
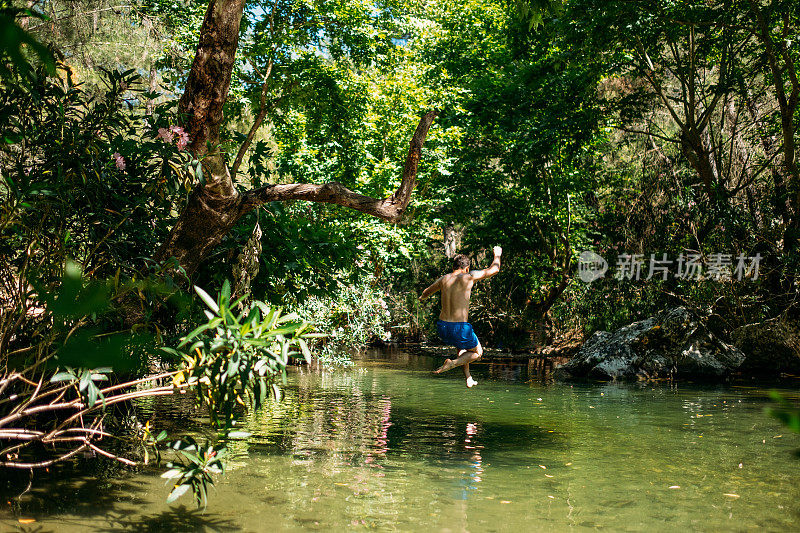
(352, 318)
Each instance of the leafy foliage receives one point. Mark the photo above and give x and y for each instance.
(14, 39)
(235, 356)
(646, 127)
(231, 362)
(194, 471)
(350, 318)
(86, 381)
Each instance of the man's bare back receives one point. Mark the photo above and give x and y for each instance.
(456, 290)
(453, 326)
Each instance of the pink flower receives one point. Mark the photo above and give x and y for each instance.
(119, 160)
(164, 133)
(169, 135)
(183, 137)
(183, 140)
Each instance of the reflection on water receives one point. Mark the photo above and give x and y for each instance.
(476, 461)
(388, 445)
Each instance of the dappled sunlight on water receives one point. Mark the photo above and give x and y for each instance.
(388, 445)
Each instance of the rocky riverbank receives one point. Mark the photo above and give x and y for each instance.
(678, 344)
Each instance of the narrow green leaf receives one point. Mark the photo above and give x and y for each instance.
(289, 317)
(194, 333)
(179, 491)
(62, 376)
(92, 394)
(207, 299)
(305, 350)
(86, 378)
(225, 293)
(284, 353)
(171, 474)
(291, 328)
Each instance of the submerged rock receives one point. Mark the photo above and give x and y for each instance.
(673, 343)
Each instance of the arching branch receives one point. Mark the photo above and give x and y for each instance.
(389, 209)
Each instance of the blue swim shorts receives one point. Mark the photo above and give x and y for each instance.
(459, 334)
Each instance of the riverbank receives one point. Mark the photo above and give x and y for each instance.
(546, 361)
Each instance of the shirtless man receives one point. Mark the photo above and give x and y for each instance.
(452, 325)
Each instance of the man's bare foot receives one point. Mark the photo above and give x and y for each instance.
(471, 382)
(448, 364)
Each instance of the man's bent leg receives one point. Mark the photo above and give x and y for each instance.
(465, 357)
(450, 363)
(478, 350)
(466, 365)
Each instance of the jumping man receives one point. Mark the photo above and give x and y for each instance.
(452, 325)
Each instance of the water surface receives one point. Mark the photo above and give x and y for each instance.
(389, 446)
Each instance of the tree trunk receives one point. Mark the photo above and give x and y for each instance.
(152, 85)
(698, 153)
(210, 77)
(452, 240)
(213, 208)
(206, 219)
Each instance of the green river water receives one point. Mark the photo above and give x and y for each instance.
(388, 446)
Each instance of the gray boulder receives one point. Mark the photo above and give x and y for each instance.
(674, 343)
(770, 347)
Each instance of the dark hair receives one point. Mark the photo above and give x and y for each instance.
(460, 261)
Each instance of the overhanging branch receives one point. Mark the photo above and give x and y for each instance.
(389, 209)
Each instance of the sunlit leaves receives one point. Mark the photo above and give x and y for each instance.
(208, 301)
(193, 470)
(86, 381)
(65, 195)
(230, 362)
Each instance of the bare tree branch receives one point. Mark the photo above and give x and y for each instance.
(262, 112)
(389, 209)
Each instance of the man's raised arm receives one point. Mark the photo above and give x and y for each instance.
(493, 269)
(430, 290)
